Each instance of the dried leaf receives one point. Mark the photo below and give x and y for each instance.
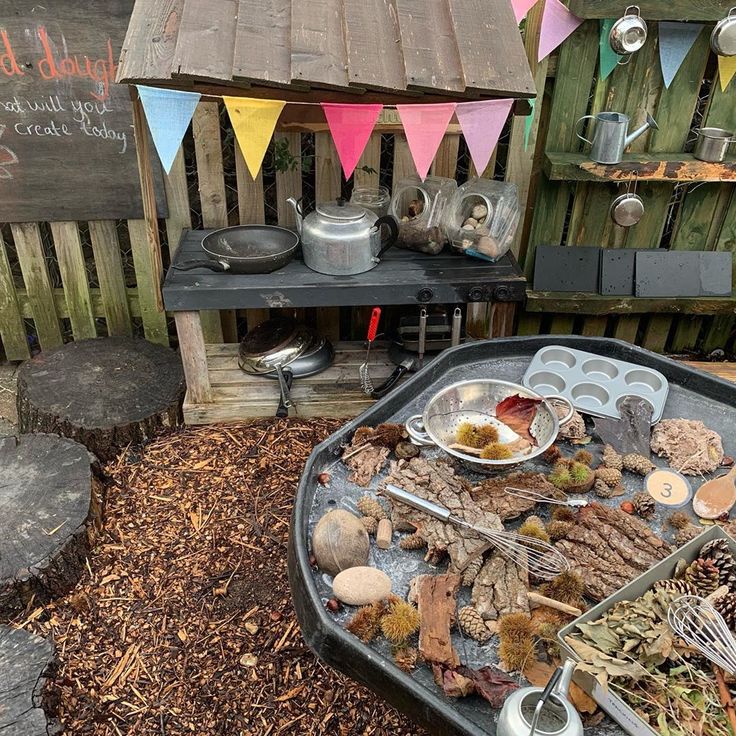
(454, 685)
(603, 666)
(538, 674)
(490, 683)
(517, 413)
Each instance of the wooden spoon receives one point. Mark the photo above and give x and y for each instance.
(716, 497)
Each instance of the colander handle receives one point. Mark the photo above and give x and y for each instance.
(415, 427)
(563, 400)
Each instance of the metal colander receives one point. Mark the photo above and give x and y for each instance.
(475, 401)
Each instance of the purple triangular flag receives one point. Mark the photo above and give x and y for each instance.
(482, 123)
(557, 24)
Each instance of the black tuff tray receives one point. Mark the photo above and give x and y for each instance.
(692, 395)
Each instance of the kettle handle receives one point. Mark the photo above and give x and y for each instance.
(577, 125)
(393, 226)
(548, 690)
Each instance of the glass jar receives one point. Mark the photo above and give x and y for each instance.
(482, 217)
(418, 206)
(375, 199)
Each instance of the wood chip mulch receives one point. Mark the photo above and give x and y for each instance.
(183, 622)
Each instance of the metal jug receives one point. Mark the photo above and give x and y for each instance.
(533, 711)
(610, 137)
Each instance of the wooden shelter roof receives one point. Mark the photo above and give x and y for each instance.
(329, 50)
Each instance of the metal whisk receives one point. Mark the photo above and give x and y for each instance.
(530, 495)
(695, 620)
(541, 559)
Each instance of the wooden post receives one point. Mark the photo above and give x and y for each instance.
(193, 357)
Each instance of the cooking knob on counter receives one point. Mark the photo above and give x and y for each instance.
(425, 295)
(476, 294)
(501, 294)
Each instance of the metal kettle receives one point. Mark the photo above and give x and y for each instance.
(342, 239)
(536, 711)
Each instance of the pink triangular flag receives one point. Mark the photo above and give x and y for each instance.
(482, 123)
(522, 7)
(425, 127)
(557, 24)
(351, 127)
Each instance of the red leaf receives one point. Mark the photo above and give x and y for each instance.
(488, 682)
(517, 413)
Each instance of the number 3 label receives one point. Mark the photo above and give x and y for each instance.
(668, 487)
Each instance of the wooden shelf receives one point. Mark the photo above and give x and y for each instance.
(334, 393)
(656, 167)
(693, 10)
(594, 304)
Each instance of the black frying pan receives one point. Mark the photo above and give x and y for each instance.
(245, 249)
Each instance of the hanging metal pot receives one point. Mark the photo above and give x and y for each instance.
(627, 209)
(723, 37)
(629, 33)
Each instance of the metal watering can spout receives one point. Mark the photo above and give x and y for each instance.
(650, 123)
(297, 213)
(563, 684)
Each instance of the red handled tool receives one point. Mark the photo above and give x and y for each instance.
(365, 378)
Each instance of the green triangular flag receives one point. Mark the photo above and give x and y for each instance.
(608, 57)
(528, 121)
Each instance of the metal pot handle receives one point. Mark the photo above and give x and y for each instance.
(635, 7)
(571, 409)
(577, 125)
(415, 427)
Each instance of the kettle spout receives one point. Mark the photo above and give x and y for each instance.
(297, 213)
(650, 123)
(563, 684)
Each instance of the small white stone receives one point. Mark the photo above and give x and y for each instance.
(359, 586)
(488, 247)
(466, 244)
(482, 230)
(468, 227)
(471, 221)
(480, 210)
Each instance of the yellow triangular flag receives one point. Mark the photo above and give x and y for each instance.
(253, 122)
(726, 70)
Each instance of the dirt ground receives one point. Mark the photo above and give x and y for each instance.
(183, 623)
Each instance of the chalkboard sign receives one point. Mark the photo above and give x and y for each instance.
(67, 146)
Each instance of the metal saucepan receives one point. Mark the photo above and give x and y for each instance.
(475, 401)
(712, 144)
(245, 249)
(271, 347)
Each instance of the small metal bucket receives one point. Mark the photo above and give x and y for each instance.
(712, 144)
(475, 401)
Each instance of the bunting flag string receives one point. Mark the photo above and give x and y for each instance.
(557, 24)
(482, 123)
(168, 113)
(351, 127)
(608, 57)
(253, 122)
(675, 40)
(425, 127)
(726, 70)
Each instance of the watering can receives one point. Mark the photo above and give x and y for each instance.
(533, 711)
(611, 135)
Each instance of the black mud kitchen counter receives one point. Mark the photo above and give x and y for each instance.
(693, 395)
(218, 391)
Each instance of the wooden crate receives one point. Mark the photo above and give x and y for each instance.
(336, 392)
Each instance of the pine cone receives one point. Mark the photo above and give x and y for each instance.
(719, 551)
(644, 504)
(611, 459)
(603, 490)
(413, 541)
(726, 606)
(406, 658)
(676, 587)
(703, 574)
(370, 507)
(610, 476)
(472, 624)
(470, 573)
(370, 524)
(684, 535)
(637, 464)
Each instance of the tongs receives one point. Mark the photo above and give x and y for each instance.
(541, 559)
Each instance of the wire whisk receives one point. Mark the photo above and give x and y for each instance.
(530, 495)
(541, 559)
(696, 621)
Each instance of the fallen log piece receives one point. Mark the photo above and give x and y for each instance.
(51, 503)
(105, 393)
(434, 596)
(25, 660)
(608, 548)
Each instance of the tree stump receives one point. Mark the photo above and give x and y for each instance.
(51, 507)
(105, 393)
(24, 663)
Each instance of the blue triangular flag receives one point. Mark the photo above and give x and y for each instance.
(168, 113)
(675, 40)
(608, 57)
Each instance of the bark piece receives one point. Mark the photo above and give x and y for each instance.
(608, 548)
(25, 660)
(689, 446)
(437, 482)
(366, 464)
(500, 587)
(105, 393)
(492, 496)
(51, 504)
(434, 596)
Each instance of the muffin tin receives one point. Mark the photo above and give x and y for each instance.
(594, 384)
